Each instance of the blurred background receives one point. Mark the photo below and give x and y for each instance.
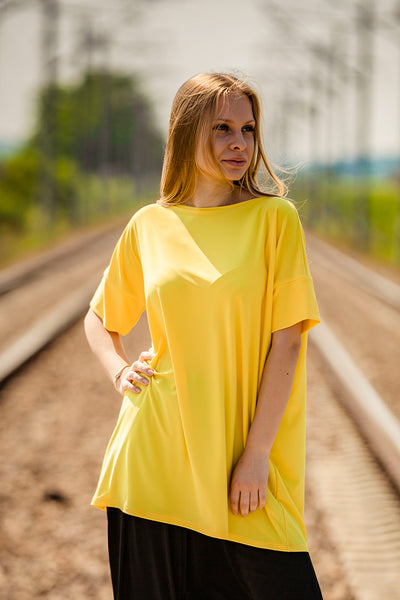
(86, 87)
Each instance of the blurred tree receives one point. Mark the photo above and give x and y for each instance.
(106, 124)
(19, 180)
(100, 129)
(20, 184)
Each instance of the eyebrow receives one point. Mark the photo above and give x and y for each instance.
(230, 121)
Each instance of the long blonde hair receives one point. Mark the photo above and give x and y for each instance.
(193, 110)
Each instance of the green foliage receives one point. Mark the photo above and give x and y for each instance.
(68, 179)
(84, 200)
(385, 220)
(95, 149)
(18, 187)
(363, 214)
(104, 123)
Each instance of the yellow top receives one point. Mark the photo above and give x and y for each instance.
(216, 283)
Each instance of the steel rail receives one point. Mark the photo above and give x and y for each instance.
(21, 273)
(46, 329)
(376, 422)
(343, 265)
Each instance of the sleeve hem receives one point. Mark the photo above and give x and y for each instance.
(294, 302)
(119, 312)
(307, 322)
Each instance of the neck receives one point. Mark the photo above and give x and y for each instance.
(215, 193)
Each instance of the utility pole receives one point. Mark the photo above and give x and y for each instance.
(87, 46)
(336, 107)
(48, 133)
(336, 73)
(313, 113)
(6, 4)
(396, 248)
(319, 115)
(104, 142)
(344, 90)
(138, 144)
(365, 42)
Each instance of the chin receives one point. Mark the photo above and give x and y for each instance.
(234, 176)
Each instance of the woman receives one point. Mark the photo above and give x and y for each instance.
(203, 478)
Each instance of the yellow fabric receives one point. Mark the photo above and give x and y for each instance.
(216, 282)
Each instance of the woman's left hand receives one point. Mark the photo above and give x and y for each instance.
(249, 481)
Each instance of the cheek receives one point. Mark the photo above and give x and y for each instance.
(251, 146)
(218, 146)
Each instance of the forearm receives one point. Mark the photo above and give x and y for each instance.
(105, 344)
(275, 389)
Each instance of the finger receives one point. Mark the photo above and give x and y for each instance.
(244, 503)
(146, 355)
(262, 497)
(124, 384)
(135, 378)
(234, 500)
(141, 367)
(130, 381)
(253, 501)
(129, 386)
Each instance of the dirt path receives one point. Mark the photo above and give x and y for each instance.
(368, 328)
(23, 305)
(56, 417)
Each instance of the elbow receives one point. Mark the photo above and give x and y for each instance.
(87, 318)
(86, 324)
(89, 323)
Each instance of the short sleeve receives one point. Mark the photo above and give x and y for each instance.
(294, 298)
(120, 300)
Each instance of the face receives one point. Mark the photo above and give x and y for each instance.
(233, 138)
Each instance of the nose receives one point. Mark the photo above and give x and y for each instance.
(238, 141)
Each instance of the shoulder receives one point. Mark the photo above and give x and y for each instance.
(143, 215)
(282, 219)
(146, 212)
(279, 208)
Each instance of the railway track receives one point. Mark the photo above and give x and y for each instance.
(351, 471)
(360, 507)
(39, 266)
(377, 423)
(41, 297)
(352, 430)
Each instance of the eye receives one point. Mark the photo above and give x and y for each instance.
(221, 127)
(248, 129)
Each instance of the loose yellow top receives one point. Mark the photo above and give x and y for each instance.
(216, 283)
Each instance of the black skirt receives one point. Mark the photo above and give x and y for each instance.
(157, 561)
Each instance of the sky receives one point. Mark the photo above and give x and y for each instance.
(279, 44)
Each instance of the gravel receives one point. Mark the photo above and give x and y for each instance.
(56, 417)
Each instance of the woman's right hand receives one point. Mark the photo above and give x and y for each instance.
(134, 374)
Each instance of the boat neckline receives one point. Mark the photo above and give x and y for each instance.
(188, 207)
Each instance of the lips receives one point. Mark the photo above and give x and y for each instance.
(235, 162)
